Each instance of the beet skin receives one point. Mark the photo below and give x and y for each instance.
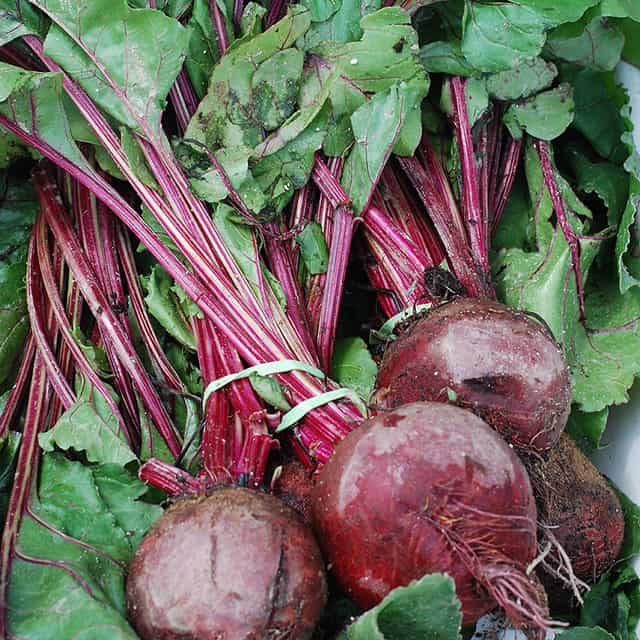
(580, 510)
(428, 487)
(499, 363)
(238, 565)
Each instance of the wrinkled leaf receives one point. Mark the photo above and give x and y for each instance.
(352, 366)
(19, 18)
(555, 13)
(270, 390)
(427, 608)
(69, 578)
(526, 79)
(90, 427)
(225, 117)
(545, 116)
(313, 248)
(445, 57)
(164, 306)
(18, 210)
(501, 36)
(594, 43)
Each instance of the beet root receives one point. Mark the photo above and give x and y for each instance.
(238, 565)
(499, 363)
(293, 487)
(429, 487)
(579, 511)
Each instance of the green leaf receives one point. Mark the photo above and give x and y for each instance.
(19, 19)
(606, 361)
(587, 429)
(594, 43)
(607, 180)
(555, 13)
(425, 609)
(152, 444)
(621, 9)
(525, 80)
(136, 158)
(386, 54)
(376, 127)
(9, 446)
(313, 248)
(583, 633)
(203, 47)
(89, 426)
(344, 25)
(11, 148)
(225, 117)
(270, 390)
(501, 36)
(602, 360)
(18, 210)
(545, 116)
(125, 59)
(352, 366)
(164, 307)
(445, 57)
(322, 10)
(275, 86)
(69, 578)
(598, 101)
(34, 101)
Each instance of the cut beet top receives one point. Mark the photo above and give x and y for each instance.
(500, 363)
(425, 488)
(238, 565)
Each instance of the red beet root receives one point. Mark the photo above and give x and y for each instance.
(424, 488)
(294, 487)
(500, 363)
(580, 511)
(238, 565)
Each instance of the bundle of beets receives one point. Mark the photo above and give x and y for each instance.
(332, 279)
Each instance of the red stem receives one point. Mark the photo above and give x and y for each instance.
(35, 304)
(343, 227)
(18, 387)
(559, 206)
(508, 173)
(64, 325)
(169, 479)
(471, 192)
(97, 302)
(221, 29)
(162, 367)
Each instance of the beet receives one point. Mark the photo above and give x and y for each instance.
(579, 511)
(500, 363)
(429, 487)
(293, 487)
(238, 565)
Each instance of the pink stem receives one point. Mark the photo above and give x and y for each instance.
(184, 100)
(471, 192)
(328, 184)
